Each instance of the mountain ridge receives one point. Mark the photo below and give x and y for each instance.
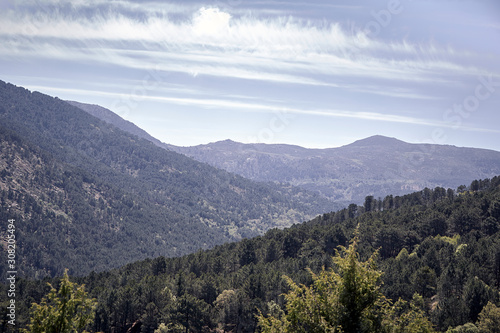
(377, 165)
(148, 200)
(377, 140)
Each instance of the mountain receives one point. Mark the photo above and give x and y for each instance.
(88, 196)
(377, 140)
(375, 166)
(117, 121)
(443, 245)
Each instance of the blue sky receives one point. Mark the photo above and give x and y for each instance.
(316, 73)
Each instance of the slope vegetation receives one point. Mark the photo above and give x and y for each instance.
(375, 166)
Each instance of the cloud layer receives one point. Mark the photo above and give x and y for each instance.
(213, 42)
(373, 66)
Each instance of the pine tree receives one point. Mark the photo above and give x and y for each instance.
(345, 300)
(489, 319)
(66, 310)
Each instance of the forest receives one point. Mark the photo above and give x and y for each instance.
(436, 252)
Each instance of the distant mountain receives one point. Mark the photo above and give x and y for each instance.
(89, 196)
(376, 166)
(377, 140)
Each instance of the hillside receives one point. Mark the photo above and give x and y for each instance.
(117, 121)
(90, 196)
(375, 166)
(440, 244)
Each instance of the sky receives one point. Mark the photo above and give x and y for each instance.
(316, 74)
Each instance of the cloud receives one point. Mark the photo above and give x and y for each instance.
(241, 104)
(217, 42)
(210, 22)
(278, 48)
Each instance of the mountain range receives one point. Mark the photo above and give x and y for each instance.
(376, 166)
(89, 196)
(91, 192)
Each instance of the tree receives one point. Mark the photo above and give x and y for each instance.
(369, 203)
(476, 296)
(489, 319)
(465, 328)
(494, 209)
(408, 317)
(226, 310)
(66, 310)
(424, 281)
(352, 211)
(359, 291)
(170, 328)
(345, 301)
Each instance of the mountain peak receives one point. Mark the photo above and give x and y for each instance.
(376, 140)
(227, 141)
(223, 144)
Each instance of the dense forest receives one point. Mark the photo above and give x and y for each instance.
(89, 196)
(439, 245)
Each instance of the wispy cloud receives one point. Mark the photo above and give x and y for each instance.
(212, 42)
(315, 59)
(242, 105)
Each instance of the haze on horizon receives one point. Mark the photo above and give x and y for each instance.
(314, 74)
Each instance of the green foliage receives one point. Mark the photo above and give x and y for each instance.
(489, 319)
(346, 300)
(67, 310)
(90, 197)
(466, 328)
(225, 288)
(170, 328)
(408, 317)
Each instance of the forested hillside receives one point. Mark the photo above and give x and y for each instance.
(89, 196)
(442, 244)
(117, 121)
(69, 218)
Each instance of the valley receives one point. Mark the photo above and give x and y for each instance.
(249, 166)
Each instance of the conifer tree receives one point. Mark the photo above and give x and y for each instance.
(67, 310)
(345, 300)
